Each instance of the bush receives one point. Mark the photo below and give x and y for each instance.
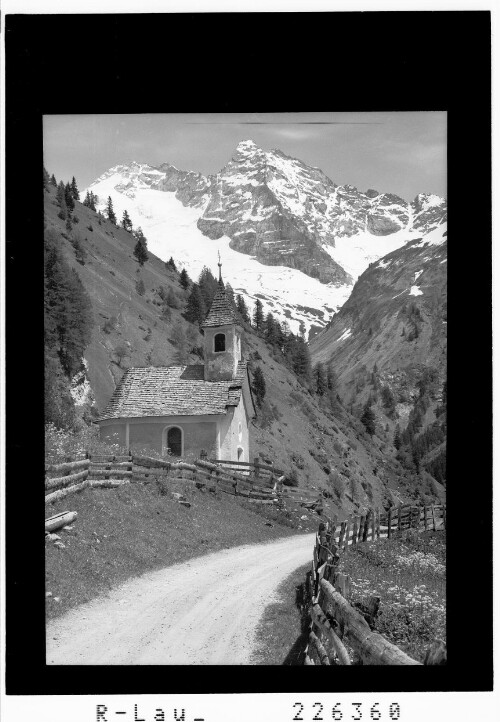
(338, 484)
(291, 479)
(139, 287)
(110, 324)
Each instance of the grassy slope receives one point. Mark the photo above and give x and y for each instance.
(292, 429)
(124, 532)
(109, 275)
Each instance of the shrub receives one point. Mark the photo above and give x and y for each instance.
(110, 324)
(292, 478)
(338, 484)
(139, 287)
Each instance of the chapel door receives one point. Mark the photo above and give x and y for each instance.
(174, 441)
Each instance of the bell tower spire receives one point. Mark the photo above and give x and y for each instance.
(220, 270)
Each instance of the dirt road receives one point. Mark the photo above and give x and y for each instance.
(204, 611)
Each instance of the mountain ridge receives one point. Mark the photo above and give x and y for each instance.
(278, 221)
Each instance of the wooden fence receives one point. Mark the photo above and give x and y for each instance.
(334, 622)
(255, 482)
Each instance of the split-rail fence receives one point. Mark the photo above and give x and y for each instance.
(334, 622)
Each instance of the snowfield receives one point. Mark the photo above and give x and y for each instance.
(292, 296)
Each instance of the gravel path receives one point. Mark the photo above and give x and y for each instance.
(204, 611)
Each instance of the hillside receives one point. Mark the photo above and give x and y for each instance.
(388, 342)
(304, 434)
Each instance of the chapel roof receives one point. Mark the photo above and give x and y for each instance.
(173, 391)
(221, 311)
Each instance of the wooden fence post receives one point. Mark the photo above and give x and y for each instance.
(425, 517)
(389, 521)
(377, 525)
(433, 517)
(341, 535)
(399, 517)
(256, 463)
(366, 525)
(355, 531)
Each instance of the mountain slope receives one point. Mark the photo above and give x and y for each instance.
(326, 448)
(394, 322)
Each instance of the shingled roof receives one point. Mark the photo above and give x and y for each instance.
(221, 312)
(173, 391)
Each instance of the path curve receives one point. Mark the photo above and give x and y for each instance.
(203, 611)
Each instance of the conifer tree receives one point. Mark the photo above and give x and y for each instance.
(319, 379)
(270, 329)
(53, 181)
(184, 279)
(63, 211)
(46, 179)
(258, 315)
(68, 195)
(93, 200)
(110, 212)
(141, 247)
(242, 309)
(195, 308)
(259, 385)
(61, 195)
(368, 419)
(397, 438)
(126, 222)
(74, 190)
(208, 286)
(69, 225)
(170, 264)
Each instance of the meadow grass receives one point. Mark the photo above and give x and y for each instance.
(408, 573)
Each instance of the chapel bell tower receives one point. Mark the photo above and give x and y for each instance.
(222, 337)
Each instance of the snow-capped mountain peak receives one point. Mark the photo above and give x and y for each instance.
(289, 234)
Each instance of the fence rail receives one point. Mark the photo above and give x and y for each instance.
(334, 621)
(257, 486)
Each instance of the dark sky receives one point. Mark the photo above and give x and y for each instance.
(403, 153)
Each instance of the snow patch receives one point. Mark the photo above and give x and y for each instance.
(345, 335)
(415, 291)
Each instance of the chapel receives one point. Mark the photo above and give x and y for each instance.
(185, 410)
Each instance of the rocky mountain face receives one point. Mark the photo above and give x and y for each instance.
(279, 223)
(392, 329)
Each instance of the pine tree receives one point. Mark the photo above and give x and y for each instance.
(258, 315)
(179, 340)
(259, 385)
(69, 225)
(397, 438)
(195, 308)
(319, 379)
(184, 279)
(110, 212)
(60, 195)
(242, 309)
(126, 222)
(140, 252)
(68, 195)
(208, 286)
(63, 211)
(170, 264)
(271, 329)
(332, 381)
(93, 201)
(74, 190)
(141, 247)
(46, 179)
(302, 330)
(53, 181)
(368, 419)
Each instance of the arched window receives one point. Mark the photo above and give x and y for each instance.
(220, 342)
(172, 440)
